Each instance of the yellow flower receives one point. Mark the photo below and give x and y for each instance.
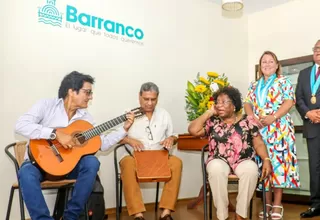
(202, 105)
(199, 95)
(207, 97)
(210, 103)
(213, 74)
(205, 81)
(219, 82)
(200, 88)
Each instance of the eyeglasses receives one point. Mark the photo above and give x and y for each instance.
(88, 92)
(224, 103)
(316, 49)
(148, 130)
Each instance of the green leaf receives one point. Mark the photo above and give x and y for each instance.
(192, 101)
(194, 95)
(190, 86)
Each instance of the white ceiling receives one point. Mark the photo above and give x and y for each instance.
(251, 6)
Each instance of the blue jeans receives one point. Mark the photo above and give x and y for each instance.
(30, 178)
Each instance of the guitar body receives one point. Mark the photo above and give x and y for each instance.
(42, 154)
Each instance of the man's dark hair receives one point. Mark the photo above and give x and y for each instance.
(74, 81)
(233, 94)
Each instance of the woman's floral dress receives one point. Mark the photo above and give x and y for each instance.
(279, 137)
(231, 143)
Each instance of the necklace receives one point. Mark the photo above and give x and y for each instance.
(235, 120)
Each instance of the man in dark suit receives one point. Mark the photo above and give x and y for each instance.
(308, 106)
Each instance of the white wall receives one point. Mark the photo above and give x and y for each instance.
(289, 30)
(181, 39)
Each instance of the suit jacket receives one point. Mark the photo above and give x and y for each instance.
(303, 103)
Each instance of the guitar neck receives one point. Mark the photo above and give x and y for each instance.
(104, 127)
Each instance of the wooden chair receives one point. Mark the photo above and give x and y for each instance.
(232, 179)
(119, 184)
(17, 158)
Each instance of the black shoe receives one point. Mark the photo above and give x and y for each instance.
(166, 217)
(139, 218)
(311, 212)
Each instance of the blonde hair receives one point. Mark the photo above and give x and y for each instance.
(279, 69)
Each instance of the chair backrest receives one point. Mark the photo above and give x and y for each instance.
(17, 156)
(19, 151)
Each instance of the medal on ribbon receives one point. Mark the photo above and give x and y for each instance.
(262, 90)
(314, 85)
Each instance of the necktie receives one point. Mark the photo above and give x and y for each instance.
(318, 73)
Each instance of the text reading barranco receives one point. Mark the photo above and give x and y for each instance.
(96, 22)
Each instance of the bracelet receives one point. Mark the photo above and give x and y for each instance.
(267, 158)
(275, 117)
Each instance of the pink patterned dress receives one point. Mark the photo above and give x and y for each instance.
(231, 143)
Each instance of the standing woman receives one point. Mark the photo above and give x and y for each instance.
(269, 100)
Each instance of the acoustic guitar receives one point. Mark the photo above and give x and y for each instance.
(55, 160)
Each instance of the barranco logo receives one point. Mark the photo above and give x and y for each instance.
(96, 22)
(50, 15)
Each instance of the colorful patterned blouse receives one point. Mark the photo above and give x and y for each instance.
(278, 137)
(231, 143)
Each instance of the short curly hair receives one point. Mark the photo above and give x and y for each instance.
(233, 94)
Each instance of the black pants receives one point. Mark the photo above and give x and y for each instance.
(314, 170)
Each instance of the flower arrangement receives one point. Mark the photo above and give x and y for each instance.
(199, 95)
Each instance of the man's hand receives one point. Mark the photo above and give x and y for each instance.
(168, 142)
(66, 140)
(129, 121)
(266, 169)
(314, 115)
(135, 144)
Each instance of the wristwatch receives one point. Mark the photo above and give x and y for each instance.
(53, 135)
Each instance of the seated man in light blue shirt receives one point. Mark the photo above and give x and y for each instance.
(39, 122)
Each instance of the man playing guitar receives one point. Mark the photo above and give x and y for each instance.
(40, 122)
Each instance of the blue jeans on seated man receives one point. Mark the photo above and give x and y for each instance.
(30, 177)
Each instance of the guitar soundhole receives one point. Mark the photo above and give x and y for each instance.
(80, 138)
